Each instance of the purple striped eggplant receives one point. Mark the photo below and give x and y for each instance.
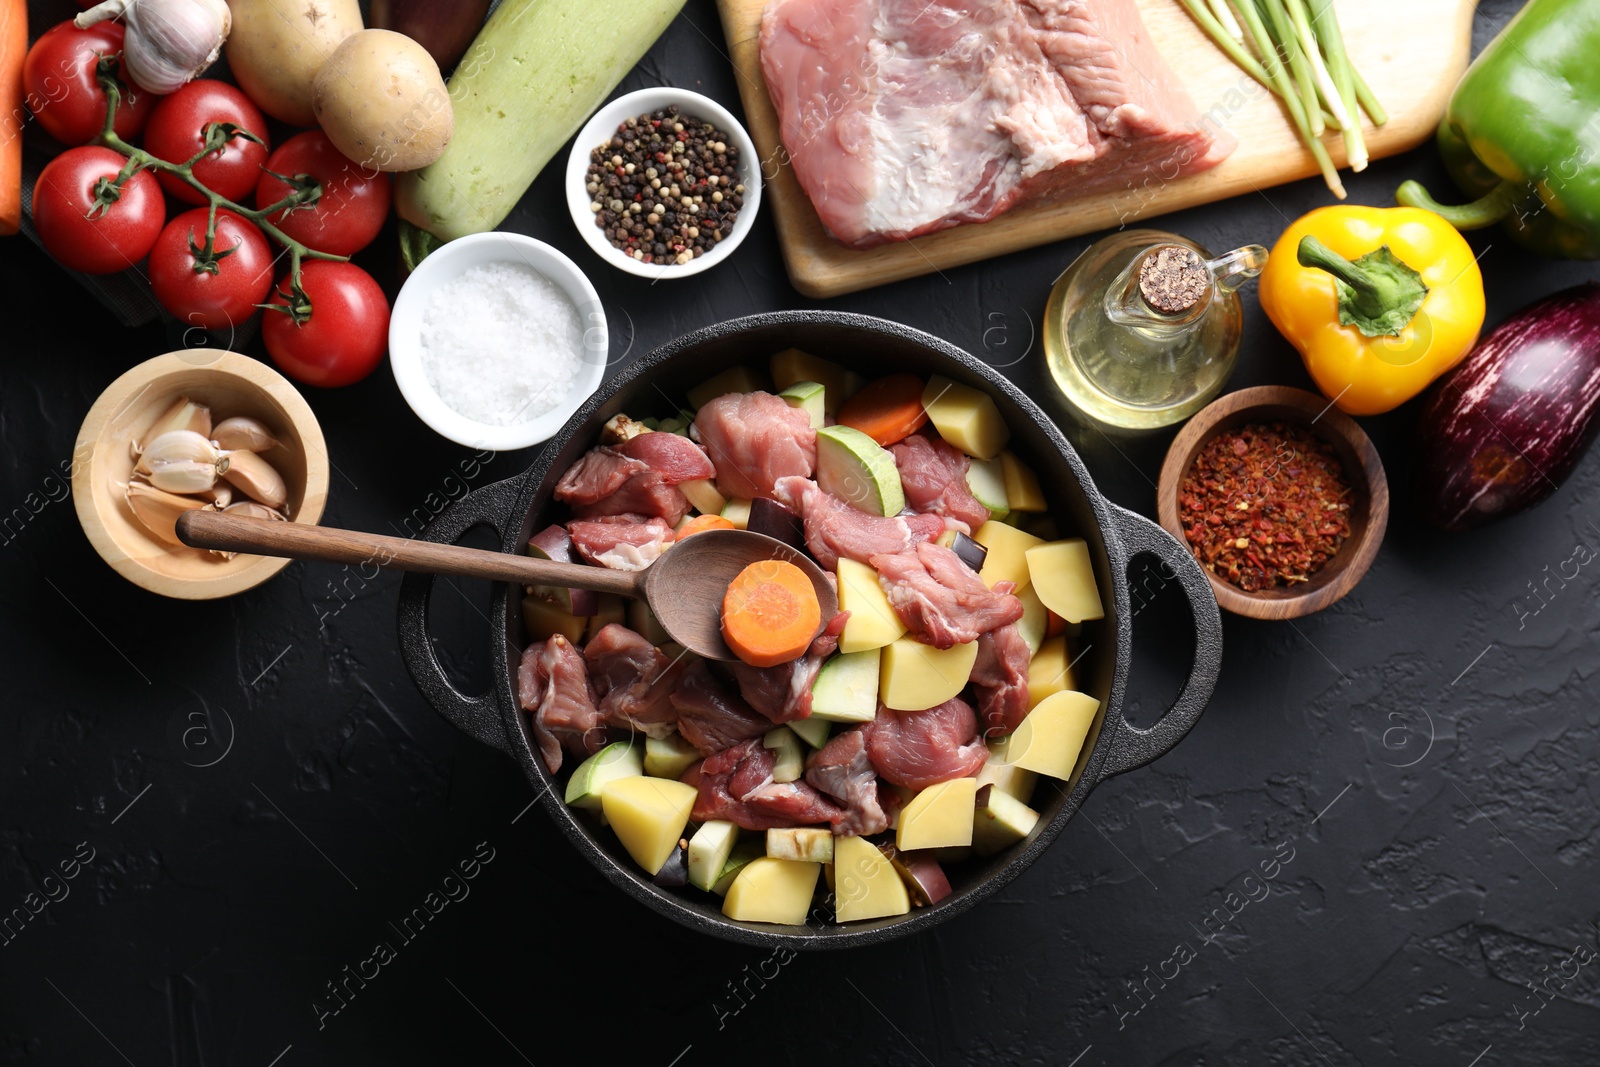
(444, 27)
(1502, 430)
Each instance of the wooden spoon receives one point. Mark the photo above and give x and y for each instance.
(684, 588)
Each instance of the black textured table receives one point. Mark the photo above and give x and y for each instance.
(252, 796)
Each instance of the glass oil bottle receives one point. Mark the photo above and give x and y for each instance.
(1142, 330)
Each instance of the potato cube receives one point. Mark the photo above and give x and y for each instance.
(1063, 574)
(866, 885)
(872, 622)
(772, 891)
(965, 417)
(648, 816)
(938, 817)
(1007, 560)
(1050, 738)
(913, 676)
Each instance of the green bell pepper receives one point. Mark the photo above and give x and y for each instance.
(1522, 133)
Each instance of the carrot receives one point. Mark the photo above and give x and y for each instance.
(770, 613)
(887, 409)
(702, 523)
(13, 46)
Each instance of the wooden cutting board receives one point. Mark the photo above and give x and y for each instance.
(1411, 52)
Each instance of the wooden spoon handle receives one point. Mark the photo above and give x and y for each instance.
(266, 537)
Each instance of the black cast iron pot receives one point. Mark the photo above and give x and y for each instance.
(518, 506)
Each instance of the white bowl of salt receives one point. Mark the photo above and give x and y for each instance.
(496, 339)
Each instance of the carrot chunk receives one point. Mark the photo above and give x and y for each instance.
(13, 46)
(702, 523)
(770, 613)
(887, 409)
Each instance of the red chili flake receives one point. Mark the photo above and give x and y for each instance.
(1266, 505)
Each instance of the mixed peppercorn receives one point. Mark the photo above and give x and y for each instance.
(1265, 505)
(666, 187)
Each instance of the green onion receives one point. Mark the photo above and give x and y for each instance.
(1297, 112)
(1224, 15)
(1300, 57)
(1339, 63)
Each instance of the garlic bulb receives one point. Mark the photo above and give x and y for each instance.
(181, 461)
(169, 42)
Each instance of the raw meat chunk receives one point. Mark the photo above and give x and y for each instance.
(903, 117)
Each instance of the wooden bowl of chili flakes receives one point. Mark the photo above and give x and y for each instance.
(1280, 496)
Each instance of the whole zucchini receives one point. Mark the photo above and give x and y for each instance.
(1501, 431)
(534, 74)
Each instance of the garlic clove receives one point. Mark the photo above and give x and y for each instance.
(181, 461)
(158, 511)
(181, 414)
(256, 478)
(251, 510)
(219, 495)
(242, 433)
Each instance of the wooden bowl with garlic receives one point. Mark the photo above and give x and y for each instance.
(200, 428)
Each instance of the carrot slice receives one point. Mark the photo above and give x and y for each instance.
(702, 523)
(770, 613)
(887, 410)
(13, 46)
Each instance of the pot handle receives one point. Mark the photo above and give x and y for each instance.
(1134, 747)
(480, 717)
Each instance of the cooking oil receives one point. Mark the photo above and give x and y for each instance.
(1142, 330)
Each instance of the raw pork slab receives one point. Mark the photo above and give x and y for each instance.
(902, 117)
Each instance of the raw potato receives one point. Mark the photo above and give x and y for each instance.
(276, 48)
(938, 817)
(1035, 618)
(866, 885)
(648, 815)
(1023, 491)
(1007, 560)
(772, 891)
(381, 100)
(1050, 738)
(872, 622)
(965, 417)
(1050, 671)
(913, 676)
(1063, 574)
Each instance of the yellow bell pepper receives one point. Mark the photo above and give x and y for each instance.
(1379, 301)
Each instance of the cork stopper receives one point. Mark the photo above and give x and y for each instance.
(1173, 279)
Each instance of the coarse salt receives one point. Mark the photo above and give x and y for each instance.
(501, 344)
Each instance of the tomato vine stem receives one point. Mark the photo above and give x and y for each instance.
(306, 191)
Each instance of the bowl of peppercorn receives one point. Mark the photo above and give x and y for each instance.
(663, 183)
(1280, 497)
